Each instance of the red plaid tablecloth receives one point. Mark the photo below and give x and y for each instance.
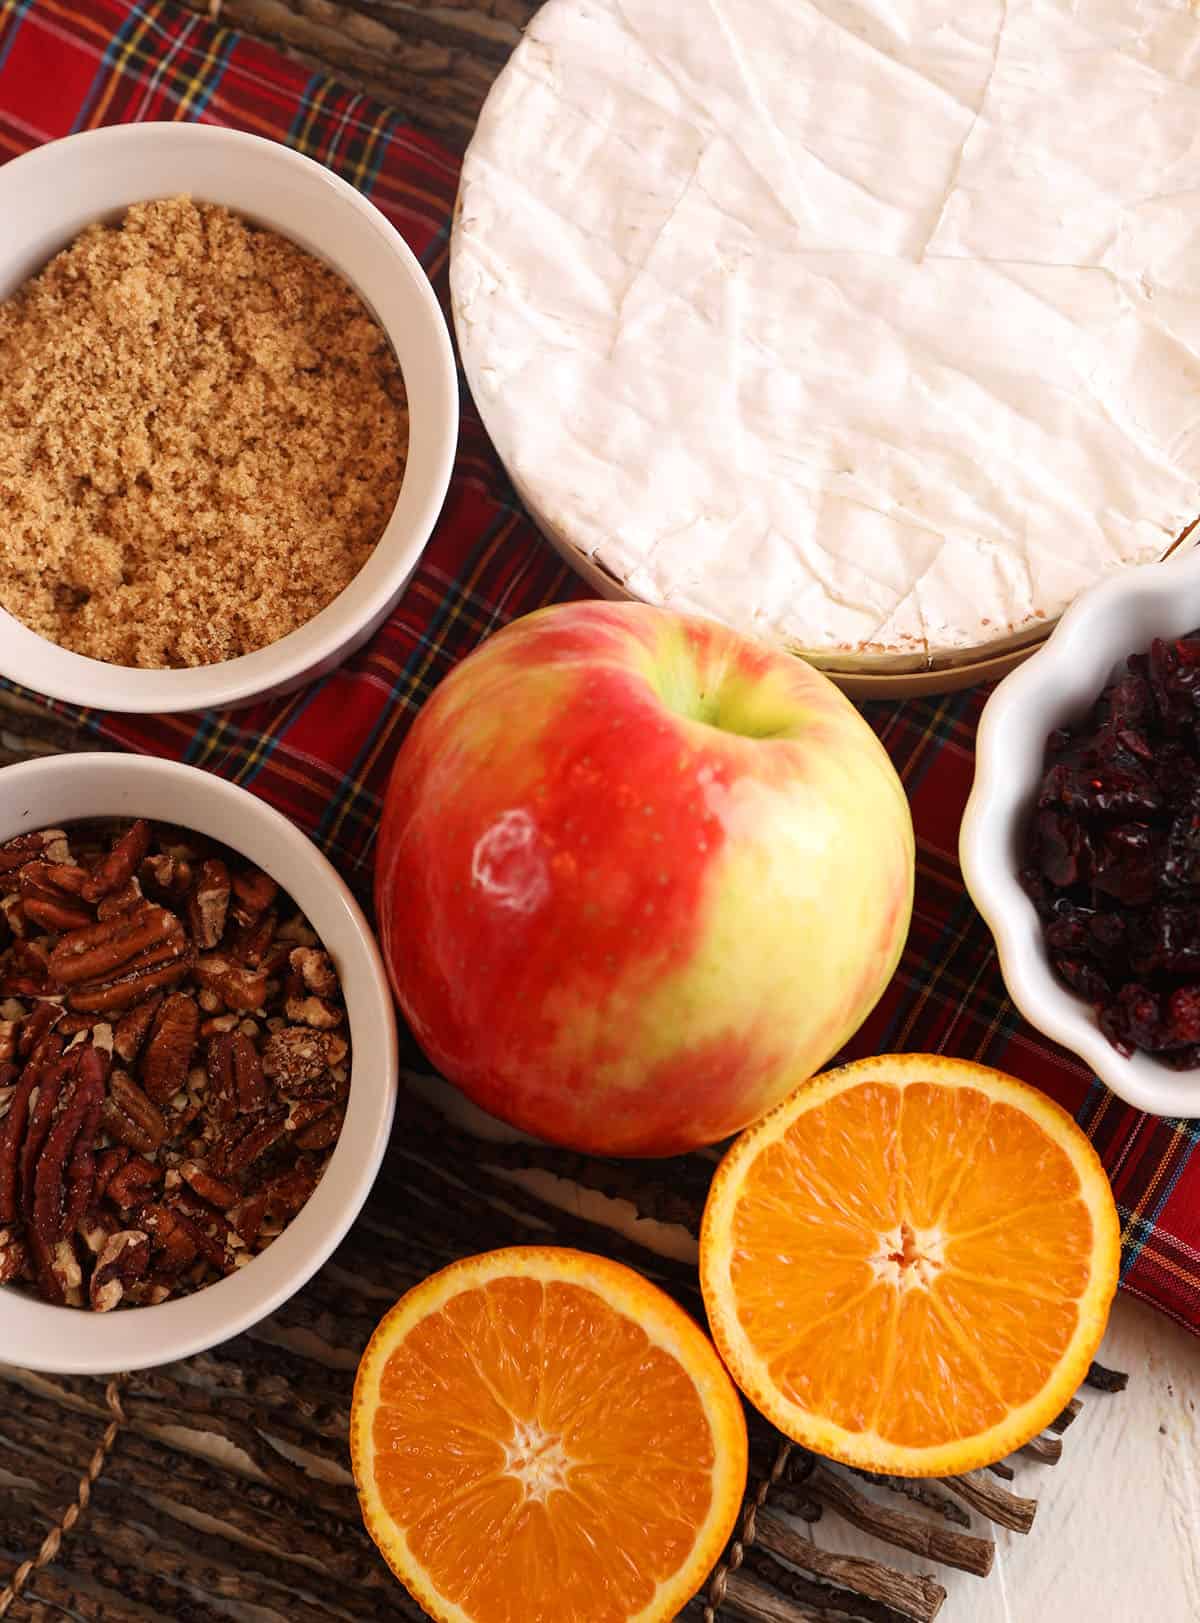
(322, 756)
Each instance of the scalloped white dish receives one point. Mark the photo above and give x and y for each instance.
(1119, 617)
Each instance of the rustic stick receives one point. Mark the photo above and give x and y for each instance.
(746, 1597)
(1068, 1417)
(1003, 1470)
(48, 1550)
(997, 1504)
(153, 1471)
(966, 1551)
(913, 1597)
(836, 1605)
(442, 79)
(922, 1490)
(1046, 1450)
(1106, 1380)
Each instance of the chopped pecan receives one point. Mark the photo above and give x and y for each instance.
(170, 876)
(216, 1191)
(133, 1029)
(14, 1257)
(104, 950)
(218, 1023)
(208, 905)
(286, 1194)
(13, 914)
(248, 1075)
(170, 1047)
(255, 943)
(122, 1262)
(9, 1034)
(122, 994)
(302, 1113)
(129, 1183)
(72, 1024)
(296, 1058)
(315, 1012)
(247, 1216)
(171, 1235)
(131, 1116)
(126, 900)
(122, 862)
(108, 1163)
(253, 892)
(222, 1082)
(238, 988)
(315, 969)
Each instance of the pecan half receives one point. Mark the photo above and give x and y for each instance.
(170, 1047)
(125, 900)
(116, 869)
(221, 1080)
(171, 1235)
(65, 876)
(323, 1133)
(132, 1117)
(104, 950)
(129, 1183)
(35, 1026)
(240, 1149)
(133, 1029)
(13, 1127)
(121, 1263)
(130, 989)
(108, 1163)
(58, 1268)
(50, 1084)
(15, 853)
(208, 905)
(169, 876)
(216, 1191)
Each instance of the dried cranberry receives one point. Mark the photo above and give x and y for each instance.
(1165, 939)
(1064, 849)
(1181, 864)
(1183, 1015)
(1085, 979)
(1128, 863)
(1109, 791)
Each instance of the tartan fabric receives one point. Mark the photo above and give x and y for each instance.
(322, 755)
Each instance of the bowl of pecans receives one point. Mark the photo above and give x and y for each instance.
(231, 417)
(198, 1061)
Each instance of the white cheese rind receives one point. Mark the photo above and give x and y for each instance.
(857, 326)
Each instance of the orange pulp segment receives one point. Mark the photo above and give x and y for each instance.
(542, 1436)
(909, 1263)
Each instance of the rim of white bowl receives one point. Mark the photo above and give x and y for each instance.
(62, 1340)
(1075, 665)
(433, 401)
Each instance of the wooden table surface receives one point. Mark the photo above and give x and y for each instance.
(227, 1495)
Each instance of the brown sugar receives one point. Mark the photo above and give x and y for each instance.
(202, 436)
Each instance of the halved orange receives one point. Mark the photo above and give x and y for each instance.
(909, 1263)
(542, 1436)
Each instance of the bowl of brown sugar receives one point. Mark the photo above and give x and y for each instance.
(228, 418)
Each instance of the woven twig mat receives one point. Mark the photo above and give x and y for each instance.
(218, 1487)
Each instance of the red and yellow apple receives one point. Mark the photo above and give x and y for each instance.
(638, 876)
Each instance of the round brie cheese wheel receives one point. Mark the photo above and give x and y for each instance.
(872, 327)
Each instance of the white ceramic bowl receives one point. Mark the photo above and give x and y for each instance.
(48, 195)
(1057, 685)
(66, 788)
